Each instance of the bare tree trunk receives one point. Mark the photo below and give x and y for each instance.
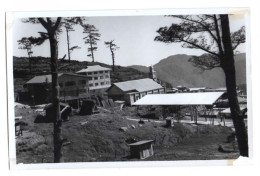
(30, 65)
(30, 62)
(57, 139)
(230, 74)
(113, 57)
(92, 53)
(68, 43)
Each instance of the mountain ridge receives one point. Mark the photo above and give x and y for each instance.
(177, 70)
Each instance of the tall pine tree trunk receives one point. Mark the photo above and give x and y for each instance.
(30, 65)
(57, 132)
(228, 66)
(68, 43)
(92, 53)
(113, 58)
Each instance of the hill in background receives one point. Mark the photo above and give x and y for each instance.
(40, 66)
(177, 70)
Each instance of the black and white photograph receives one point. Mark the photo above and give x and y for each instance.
(128, 87)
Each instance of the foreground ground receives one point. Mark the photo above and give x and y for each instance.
(98, 137)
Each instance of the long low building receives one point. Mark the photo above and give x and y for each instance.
(131, 91)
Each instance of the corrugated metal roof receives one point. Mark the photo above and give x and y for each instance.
(41, 79)
(205, 98)
(48, 78)
(93, 68)
(139, 85)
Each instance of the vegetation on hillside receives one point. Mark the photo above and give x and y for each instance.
(177, 70)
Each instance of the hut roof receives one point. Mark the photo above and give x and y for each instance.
(141, 142)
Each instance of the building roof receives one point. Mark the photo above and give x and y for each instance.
(48, 78)
(141, 142)
(221, 89)
(139, 85)
(93, 68)
(99, 87)
(197, 88)
(228, 111)
(204, 98)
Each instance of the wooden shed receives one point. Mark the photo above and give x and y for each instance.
(141, 149)
(65, 111)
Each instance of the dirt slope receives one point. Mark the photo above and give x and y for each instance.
(101, 140)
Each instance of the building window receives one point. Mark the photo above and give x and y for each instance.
(90, 85)
(82, 82)
(102, 83)
(101, 77)
(61, 85)
(106, 71)
(89, 73)
(155, 91)
(107, 82)
(96, 84)
(95, 72)
(82, 90)
(70, 83)
(96, 78)
(161, 90)
(107, 76)
(101, 72)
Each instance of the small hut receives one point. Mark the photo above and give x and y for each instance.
(141, 149)
(169, 122)
(65, 111)
(88, 107)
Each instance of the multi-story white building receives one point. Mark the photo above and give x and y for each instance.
(99, 77)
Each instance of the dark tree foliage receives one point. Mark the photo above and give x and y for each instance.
(211, 34)
(92, 36)
(113, 47)
(27, 43)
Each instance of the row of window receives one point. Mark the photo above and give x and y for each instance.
(72, 83)
(101, 77)
(90, 73)
(97, 84)
(137, 96)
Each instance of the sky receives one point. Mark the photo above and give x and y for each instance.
(133, 34)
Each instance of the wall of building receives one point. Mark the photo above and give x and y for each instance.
(117, 94)
(71, 85)
(98, 79)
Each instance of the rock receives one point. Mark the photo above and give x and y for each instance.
(123, 129)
